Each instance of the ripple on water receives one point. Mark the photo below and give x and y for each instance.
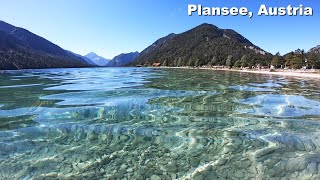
(114, 97)
(269, 84)
(281, 106)
(140, 123)
(253, 89)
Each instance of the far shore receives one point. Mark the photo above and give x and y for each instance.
(309, 73)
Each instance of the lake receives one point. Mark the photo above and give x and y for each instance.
(140, 123)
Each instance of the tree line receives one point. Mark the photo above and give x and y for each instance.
(293, 60)
(297, 60)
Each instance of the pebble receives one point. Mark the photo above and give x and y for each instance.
(264, 152)
(274, 171)
(312, 167)
(155, 177)
(239, 174)
(296, 164)
(104, 138)
(222, 161)
(123, 166)
(174, 156)
(198, 176)
(39, 164)
(124, 138)
(194, 162)
(130, 170)
(91, 136)
(83, 157)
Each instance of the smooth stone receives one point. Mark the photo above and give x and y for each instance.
(123, 166)
(274, 171)
(172, 168)
(198, 176)
(272, 163)
(174, 156)
(309, 146)
(174, 176)
(104, 138)
(299, 145)
(124, 138)
(83, 157)
(296, 164)
(130, 170)
(194, 162)
(222, 161)
(39, 164)
(224, 174)
(92, 136)
(312, 167)
(246, 163)
(318, 167)
(229, 148)
(155, 177)
(59, 158)
(264, 152)
(252, 170)
(239, 174)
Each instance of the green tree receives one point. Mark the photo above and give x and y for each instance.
(295, 61)
(237, 64)
(275, 61)
(179, 64)
(213, 61)
(314, 60)
(197, 63)
(229, 61)
(165, 63)
(190, 63)
(244, 61)
(175, 63)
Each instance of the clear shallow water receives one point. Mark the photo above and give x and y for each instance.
(138, 123)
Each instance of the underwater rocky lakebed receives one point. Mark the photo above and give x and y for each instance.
(146, 123)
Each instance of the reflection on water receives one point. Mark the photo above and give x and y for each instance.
(138, 123)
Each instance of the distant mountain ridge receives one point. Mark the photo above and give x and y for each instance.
(202, 44)
(315, 50)
(21, 49)
(123, 59)
(83, 57)
(98, 60)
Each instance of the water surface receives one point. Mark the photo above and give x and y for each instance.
(139, 123)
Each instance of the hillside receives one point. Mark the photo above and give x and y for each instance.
(313, 57)
(123, 59)
(315, 50)
(21, 49)
(202, 45)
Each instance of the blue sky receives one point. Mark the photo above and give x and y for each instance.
(111, 27)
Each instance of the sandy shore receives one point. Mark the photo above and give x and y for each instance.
(292, 73)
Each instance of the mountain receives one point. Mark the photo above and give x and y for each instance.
(202, 44)
(87, 60)
(21, 49)
(100, 61)
(123, 59)
(315, 50)
(159, 42)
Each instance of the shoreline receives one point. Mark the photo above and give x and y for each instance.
(282, 72)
